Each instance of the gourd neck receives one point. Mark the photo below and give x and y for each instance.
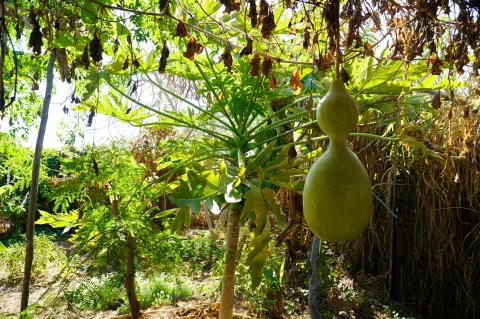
(338, 143)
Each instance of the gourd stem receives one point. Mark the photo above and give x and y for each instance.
(338, 55)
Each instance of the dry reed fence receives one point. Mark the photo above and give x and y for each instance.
(430, 252)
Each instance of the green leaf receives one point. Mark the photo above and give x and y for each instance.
(254, 202)
(2, 247)
(165, 213)
(88, 12)
(182, 218)
(121, 29)
(258, 253)
(269, 197)
(64, 41)
(59, 220)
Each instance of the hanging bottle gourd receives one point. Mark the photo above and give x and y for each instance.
(337, 196)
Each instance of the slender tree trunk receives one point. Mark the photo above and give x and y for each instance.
(130, 277)
(32, 208)
(227, 299)
(314, 286)
(130, 246)
(206, 211)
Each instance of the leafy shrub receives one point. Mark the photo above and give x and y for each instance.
(47, 255)
(201, 254)
(107, 292)
(161, 289)
(97, 293)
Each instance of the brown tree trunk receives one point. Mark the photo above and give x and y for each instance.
(130, 246)
(32, 208)
(227, 299)
(130, 277)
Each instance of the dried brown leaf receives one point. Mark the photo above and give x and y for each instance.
(252, 13)
(163, 58)
(268, 25)
(63, 68)
(295, 81)
(227, 58)
(248, 49)
(231, 5)
(266, 66)
(181, 30)
(96, 49)
(272, 84)
(255, 63)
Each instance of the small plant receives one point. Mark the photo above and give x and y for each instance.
(108, 293)
(97, 293)
(47, 256)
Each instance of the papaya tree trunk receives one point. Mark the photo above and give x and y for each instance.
(32, 207)
(130, 277)
(130, 247)
(227, 298)
(314, 301)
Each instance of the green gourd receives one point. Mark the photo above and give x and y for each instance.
(337, 196)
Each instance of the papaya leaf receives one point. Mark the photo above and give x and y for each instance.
(254, 202)
(257, 256)
(181, 218)
(269, 197)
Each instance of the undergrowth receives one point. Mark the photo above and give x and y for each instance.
(47, 255)
(107, 292)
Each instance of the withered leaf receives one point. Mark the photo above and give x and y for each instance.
(163, 58)
(268, 25)
(248, 49)
(295, 81)
(266, 65)
(306, 38)
(255, 63)
(324, 62)
(368, 49)
(90, 117)
(181, 30)
(272, 84)
(263, 9)
(252, 13)
(192, 47)
(85, 59)
(63, 67)
(35, 41)
(227, 58)
(96, 49)
(231, 5)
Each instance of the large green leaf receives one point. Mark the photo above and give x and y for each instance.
(257, 256)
